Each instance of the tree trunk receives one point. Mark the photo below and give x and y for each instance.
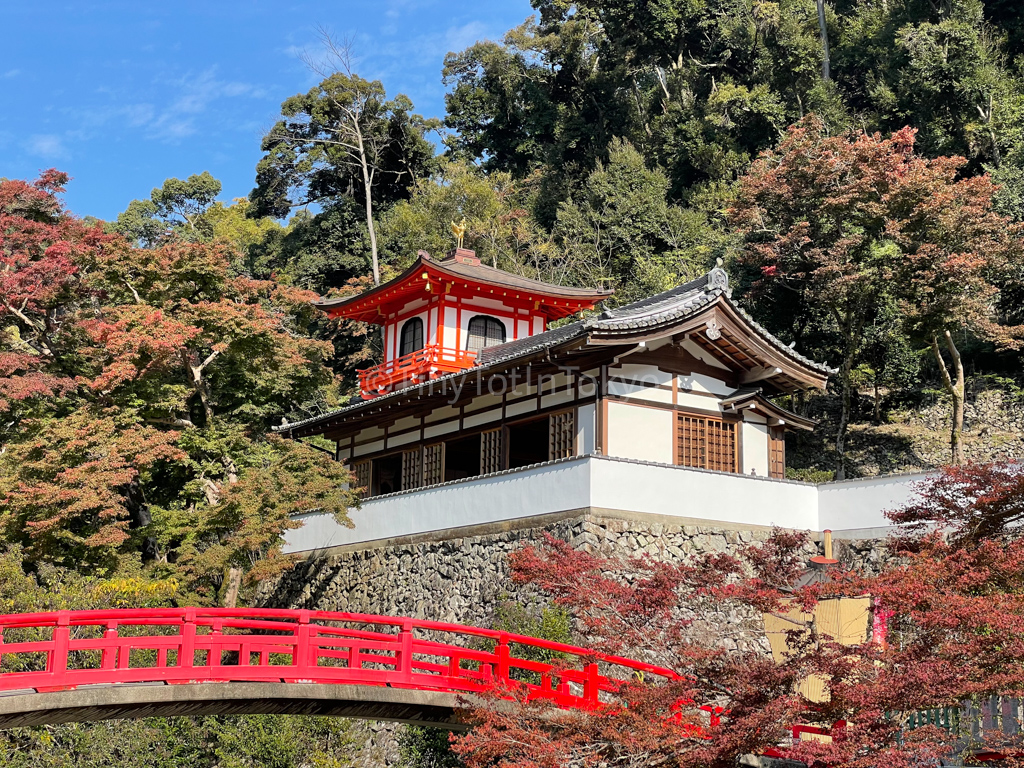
(955, 386)
(846, 400)
(877, 415)
(199, 384)
(852, 326)
(825, 63)
(232, 584)
(367, 193)
(141, 519)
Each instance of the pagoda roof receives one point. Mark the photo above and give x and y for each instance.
(461, 269)
(730, 334)
(700, 311)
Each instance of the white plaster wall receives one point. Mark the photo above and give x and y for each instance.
(536, 491)
(754, 449)
(408, 437)
(586, 429)
(565, 397)
(483, 417)
(638, 392)
(451, 328)
(363, 450)
(683, 492)
(646, 373)
(521, 408)
(440, 429)
(862, 503)
(635, 432)
(431, 327)
(589, 481)
(699, 382)
(700, 402)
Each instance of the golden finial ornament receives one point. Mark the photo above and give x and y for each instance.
(459, 230)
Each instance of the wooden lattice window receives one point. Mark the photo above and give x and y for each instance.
(706, 443)
(361, 469)
(433, 464)
(411, 470)
(492, 457)
(777, 453)
(561, 435)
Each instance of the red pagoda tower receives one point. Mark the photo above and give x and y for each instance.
(438, 314)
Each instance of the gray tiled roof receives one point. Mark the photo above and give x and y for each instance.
(674, 304)
(666, 307)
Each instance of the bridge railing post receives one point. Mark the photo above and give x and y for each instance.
(304, 653)
(592, 685)
(187, 647)
(57, 663)
(403, 662)
(109, 656)
(502, 652)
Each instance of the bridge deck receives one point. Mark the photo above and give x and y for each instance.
(107, 702)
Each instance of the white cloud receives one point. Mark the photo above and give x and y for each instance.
(460, 38)
(10, 73)
(196, 94)
(48, 146)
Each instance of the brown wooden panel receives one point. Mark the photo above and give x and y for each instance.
(561, 435)
(361, 469)
(492, 454)
(412, 471)
(706, 443)
(433, 464)
(777, 453)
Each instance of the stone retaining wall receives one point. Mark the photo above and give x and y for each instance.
(462, 580)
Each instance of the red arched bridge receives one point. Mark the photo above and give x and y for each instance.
(91, 665)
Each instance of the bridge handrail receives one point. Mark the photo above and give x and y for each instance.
(149, 617)
(227, 638)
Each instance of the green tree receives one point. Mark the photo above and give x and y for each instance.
(175, 209)
(697, 87)
(499, 222)
(621, 226)
(254, 741)
(342, 139)
(842, 221)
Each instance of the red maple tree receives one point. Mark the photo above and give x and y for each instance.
(136, 388)
(955, 612)
(832, 223)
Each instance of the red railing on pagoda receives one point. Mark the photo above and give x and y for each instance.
(42, 652)
(423, 364)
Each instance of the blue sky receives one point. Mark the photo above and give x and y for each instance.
(123, 95)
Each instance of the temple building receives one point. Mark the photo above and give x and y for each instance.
(481, 412)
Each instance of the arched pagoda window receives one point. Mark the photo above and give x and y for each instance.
(412, 336)
(485, 332)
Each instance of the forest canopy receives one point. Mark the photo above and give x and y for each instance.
(857, 165)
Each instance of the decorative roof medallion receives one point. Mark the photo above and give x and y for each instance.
(717, 278)
(713, 331)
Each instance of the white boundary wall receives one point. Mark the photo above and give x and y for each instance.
(852, 509)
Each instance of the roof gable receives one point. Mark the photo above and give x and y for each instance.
(428, 275)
